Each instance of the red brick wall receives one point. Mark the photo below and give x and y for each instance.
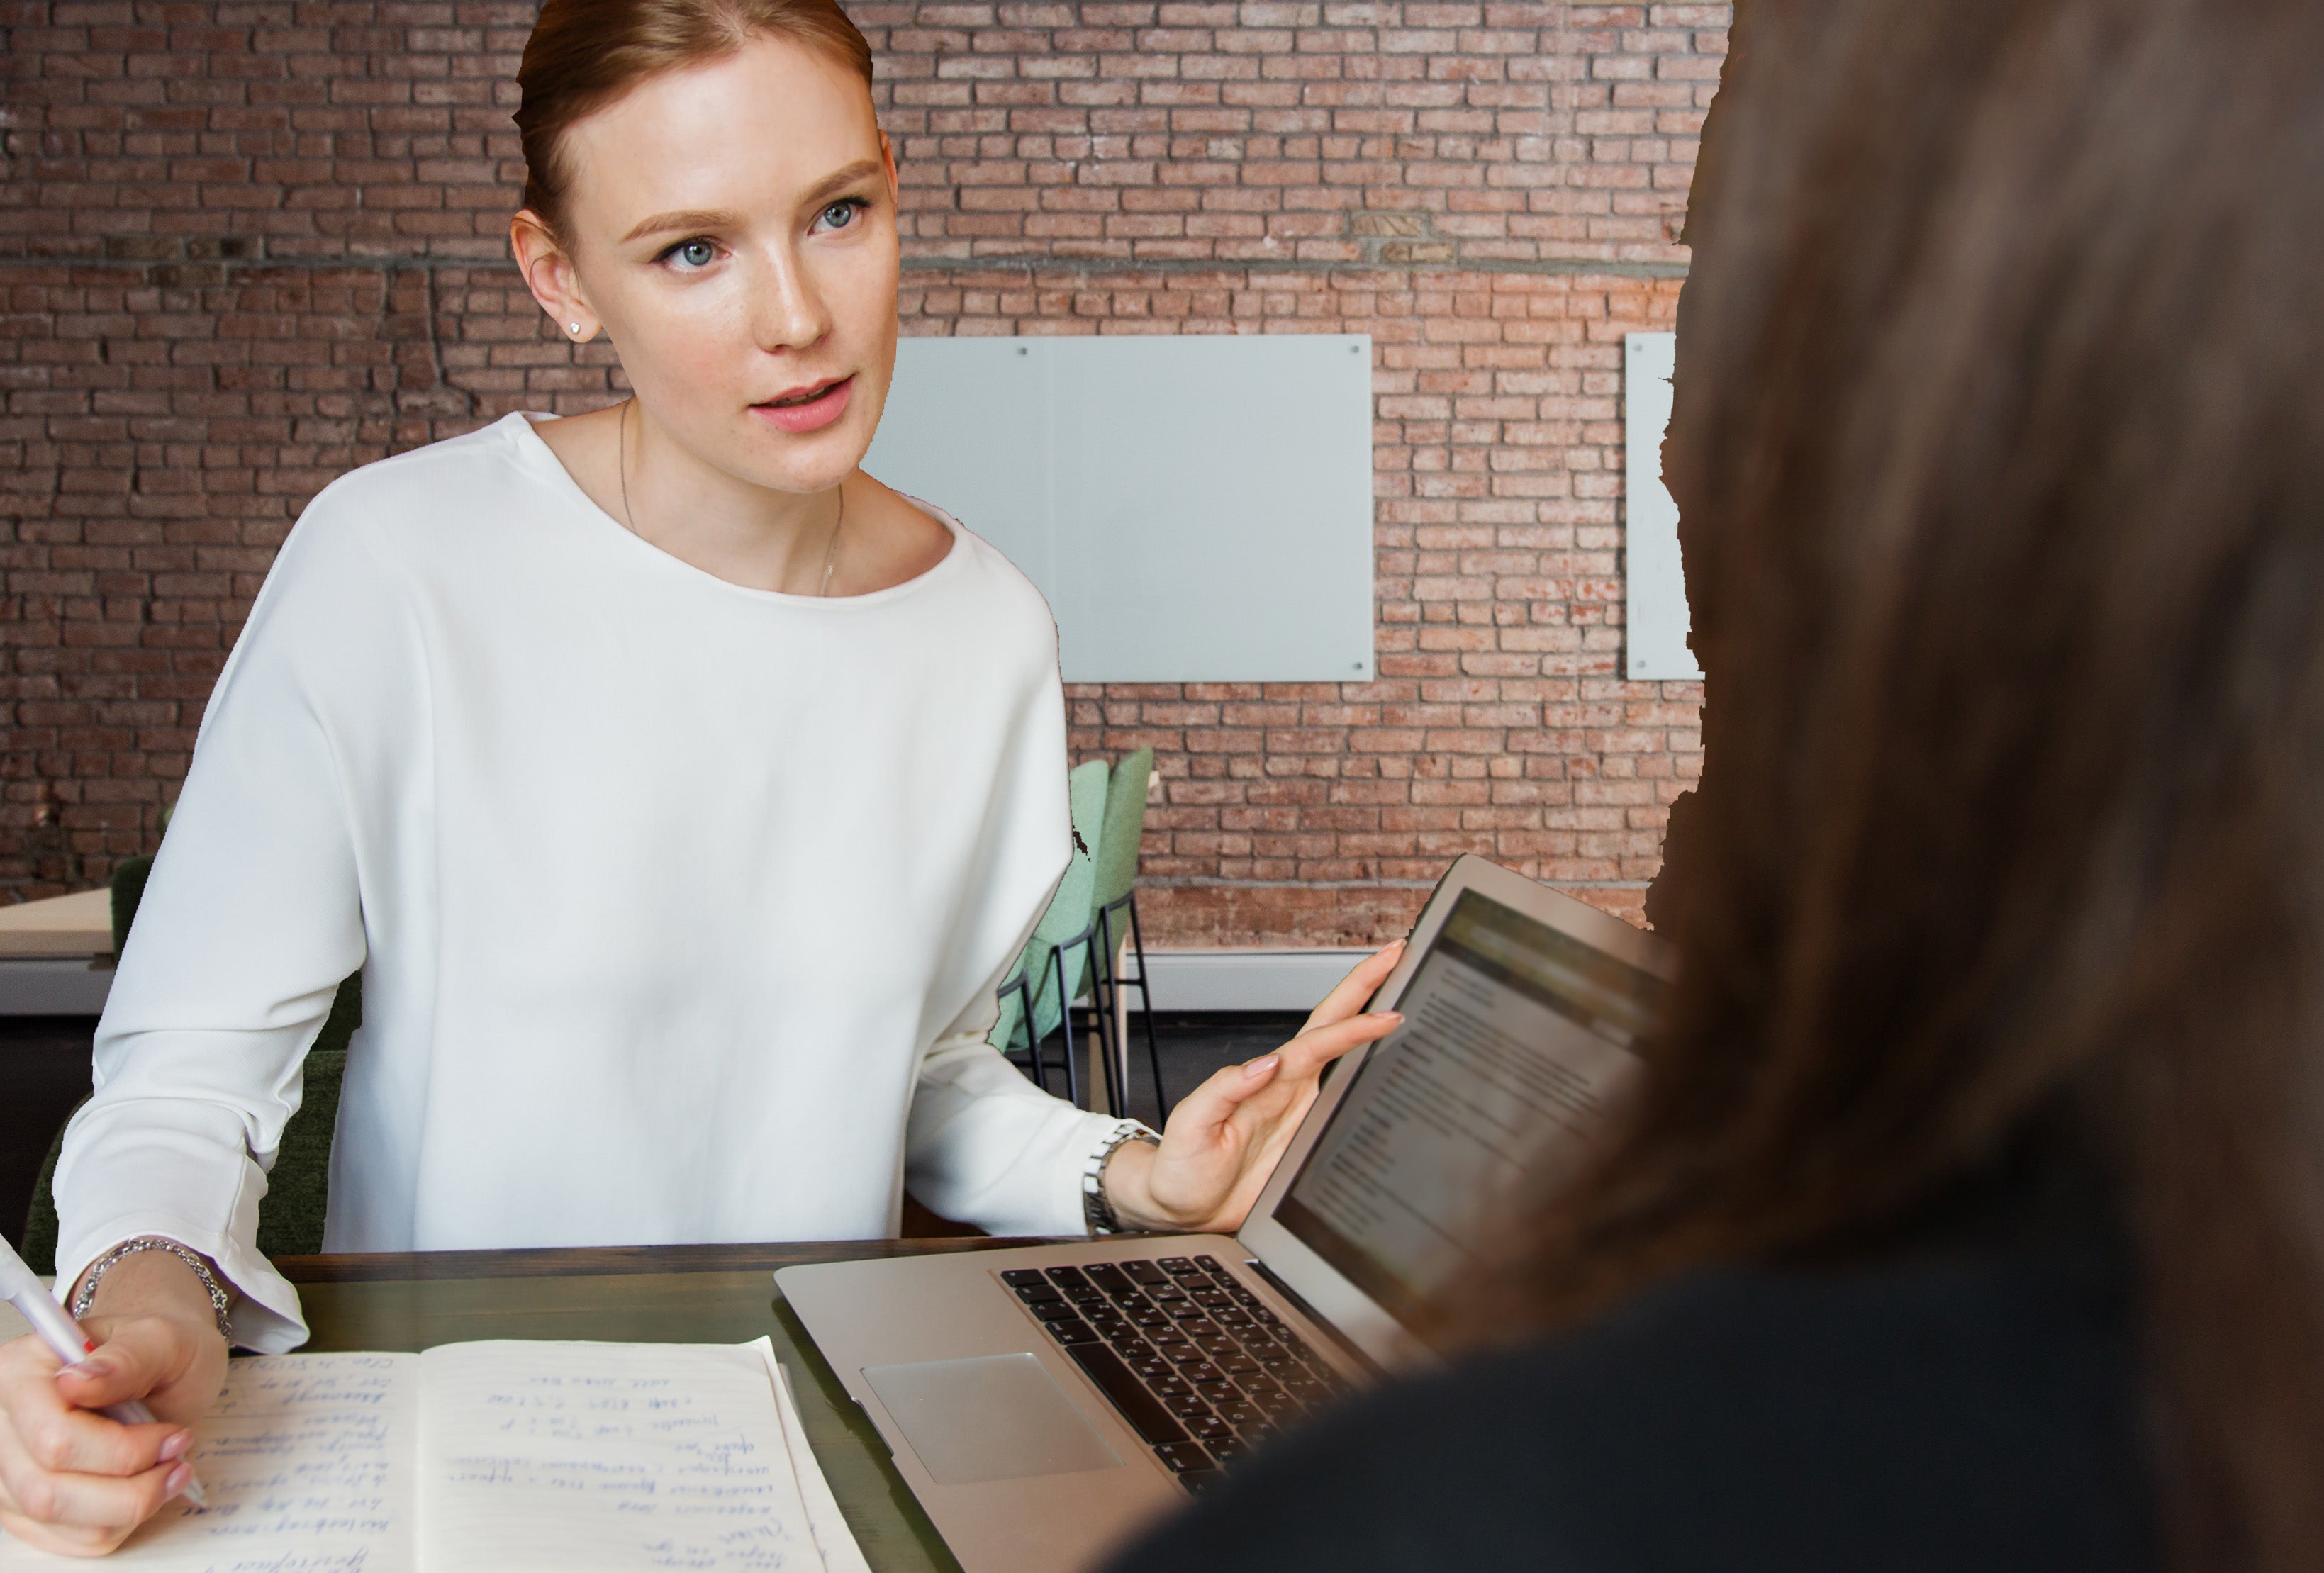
(246, 246)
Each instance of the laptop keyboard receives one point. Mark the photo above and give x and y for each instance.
(1197, 1363)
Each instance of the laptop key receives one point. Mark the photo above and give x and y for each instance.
(1219, 1391)
(1243, 1416)
(1107, 1276)
(1062, 1276)
(1174, 1266)
(1052, 1311)
(1076, 1331)
(1023, 1278)
(1189, 1408)
(1040, 1294)
(1209, 1263)
(1146, 1272)
(1141, 1409)
(1183, 1456)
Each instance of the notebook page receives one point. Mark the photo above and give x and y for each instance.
(833, 1538)
(307, 1461)
(566, 1457)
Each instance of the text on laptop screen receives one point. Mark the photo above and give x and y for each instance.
(1514, 1036)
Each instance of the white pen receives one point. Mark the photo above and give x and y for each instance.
(22, 1289)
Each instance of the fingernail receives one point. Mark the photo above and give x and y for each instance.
(1261, 1066)
(95, 1370)
(175, 1448)
(177, 1482)
(1388, 1015)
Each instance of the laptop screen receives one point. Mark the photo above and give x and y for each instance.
(1514, 1034)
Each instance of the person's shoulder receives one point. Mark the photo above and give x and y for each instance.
(426, 481)
(1931, 1416)
(995, 592)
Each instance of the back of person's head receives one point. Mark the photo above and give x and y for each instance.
(1999, 446)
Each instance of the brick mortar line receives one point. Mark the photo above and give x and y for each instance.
(1196, 882)
(1186, 266)
(1175, 266)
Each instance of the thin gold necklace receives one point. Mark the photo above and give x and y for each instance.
(622, 458)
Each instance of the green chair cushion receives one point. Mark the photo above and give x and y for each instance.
(1125, 827)
(129, 877)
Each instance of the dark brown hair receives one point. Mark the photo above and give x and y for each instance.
(583, 54)
(1999, 443)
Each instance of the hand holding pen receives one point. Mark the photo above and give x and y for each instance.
(73, 1482)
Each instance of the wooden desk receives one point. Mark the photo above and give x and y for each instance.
(56, 956)
(79, 925)
(658, 1295)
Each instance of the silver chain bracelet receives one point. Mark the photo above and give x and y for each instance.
(1097, 1209)
(128, 1248)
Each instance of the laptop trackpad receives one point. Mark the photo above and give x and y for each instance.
(995, 1417)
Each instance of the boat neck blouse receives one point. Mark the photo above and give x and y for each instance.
(680, 905)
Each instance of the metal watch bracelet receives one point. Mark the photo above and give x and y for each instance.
(128, 1248)
(1097, 1210)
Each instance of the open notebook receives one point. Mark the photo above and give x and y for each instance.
(501, 1458)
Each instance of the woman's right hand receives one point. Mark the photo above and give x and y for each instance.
(73, 1481)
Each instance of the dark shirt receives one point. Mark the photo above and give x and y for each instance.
(1945, 1407)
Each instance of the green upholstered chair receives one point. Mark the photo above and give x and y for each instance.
(298, 1189)
(1083, 964)
(1115, 901)
(1042, 979)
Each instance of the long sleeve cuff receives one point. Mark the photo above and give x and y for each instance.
(986, 1146)
(191, 1180)
(264, 1315)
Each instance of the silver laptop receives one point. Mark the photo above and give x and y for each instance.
(1043, 1403)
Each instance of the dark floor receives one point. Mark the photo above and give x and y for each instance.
(1194, 1047)
(44, 1071)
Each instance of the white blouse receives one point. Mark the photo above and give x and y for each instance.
(680, 905)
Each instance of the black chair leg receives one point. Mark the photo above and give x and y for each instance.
(1065, 1024)
(1146, 1003)
(1117, 1094)
(1024, 993)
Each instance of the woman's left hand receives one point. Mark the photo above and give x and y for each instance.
(1225, 1139)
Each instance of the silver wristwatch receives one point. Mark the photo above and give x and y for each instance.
(1097, 1211)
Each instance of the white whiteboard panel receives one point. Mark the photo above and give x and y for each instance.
(1657, 610)
(1196, 509)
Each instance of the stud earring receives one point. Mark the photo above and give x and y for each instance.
(576, 330)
